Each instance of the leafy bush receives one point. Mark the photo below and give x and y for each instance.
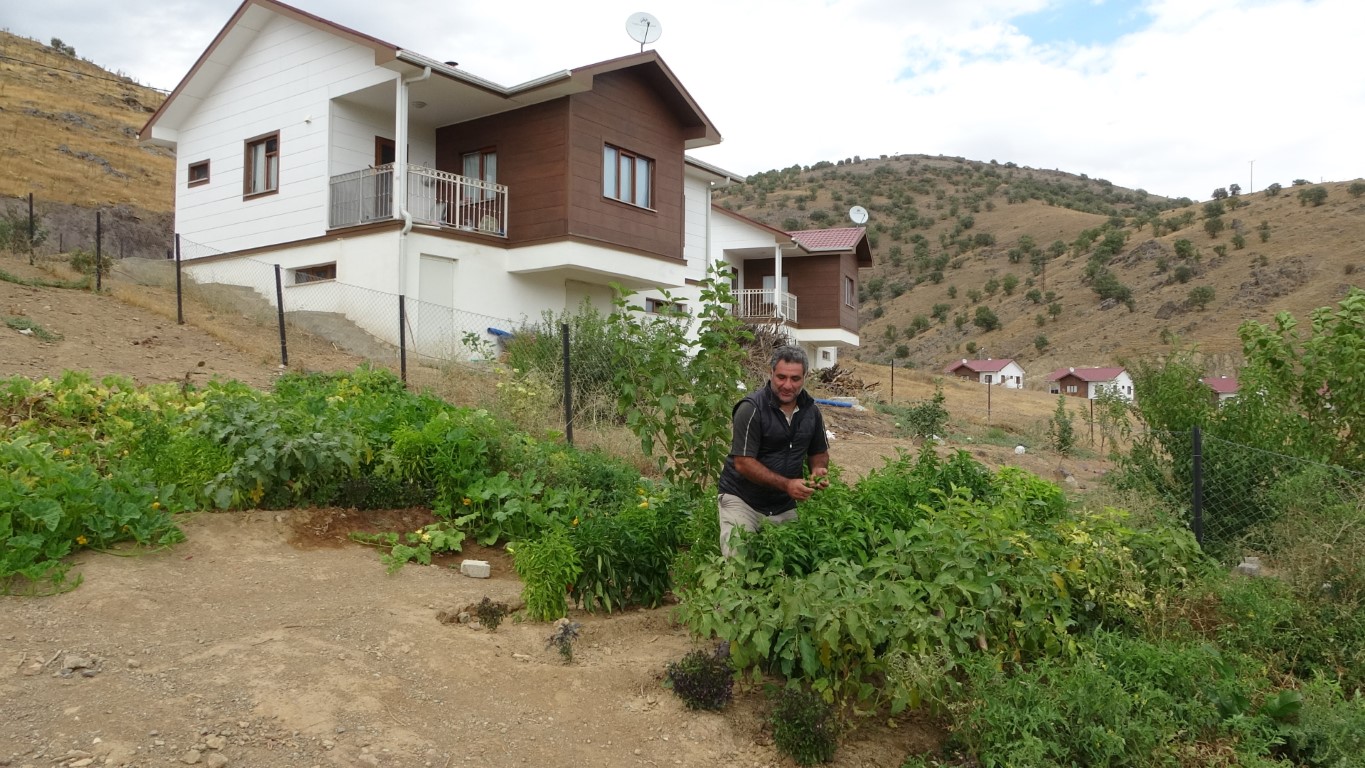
(703, 680)
(922, 418)
(547, 567)
(804, 727)
(1314, 196)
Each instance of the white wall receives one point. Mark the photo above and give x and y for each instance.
(696, 208)
(283, 81)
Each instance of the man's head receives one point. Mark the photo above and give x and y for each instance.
(789, 373)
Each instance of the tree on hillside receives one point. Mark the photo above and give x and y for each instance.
(63, 48)
(1356, 189)
(1214, 226)
(1220, 193)
(1200, 296)
(1234, 190)
(1314, 195)
(985, 319)
(1273, 190)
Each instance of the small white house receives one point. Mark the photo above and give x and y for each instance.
(1003, 373)
(1089, 383)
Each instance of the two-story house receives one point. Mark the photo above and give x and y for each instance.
(348, 160)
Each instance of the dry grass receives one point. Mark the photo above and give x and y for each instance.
(70, 132)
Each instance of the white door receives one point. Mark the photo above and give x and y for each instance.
(431, 319)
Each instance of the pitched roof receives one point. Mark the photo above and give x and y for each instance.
(980, 366)
(1086, 374)
(1223, 385)
(839, 239)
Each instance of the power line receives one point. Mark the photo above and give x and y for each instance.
(124, 81)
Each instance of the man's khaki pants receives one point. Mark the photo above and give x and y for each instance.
(734, 513)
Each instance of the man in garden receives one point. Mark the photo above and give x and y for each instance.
(778, 433)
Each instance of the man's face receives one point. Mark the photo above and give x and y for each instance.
(788, 378)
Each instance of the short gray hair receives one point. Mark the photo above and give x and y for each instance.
(791, 355)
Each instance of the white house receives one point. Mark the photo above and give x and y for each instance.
(1091, 382)
(1002, 373)
(369, 172)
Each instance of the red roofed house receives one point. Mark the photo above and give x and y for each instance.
(806, 282)
(1006, 372)
(1224, 388)
(1090, 382)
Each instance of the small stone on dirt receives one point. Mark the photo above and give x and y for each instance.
(215, 760)
(215, 742)
(191, 757)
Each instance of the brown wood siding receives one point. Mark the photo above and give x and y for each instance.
(817, 283)
(1067, 381)
(624, 110)
(533, 162)
(848, 316)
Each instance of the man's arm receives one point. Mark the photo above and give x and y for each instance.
(754, 470)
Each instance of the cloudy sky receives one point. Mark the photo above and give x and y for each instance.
(1177, 97)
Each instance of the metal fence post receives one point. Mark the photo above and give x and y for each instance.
(32, 229)
(99, 267)
(179, 295)
(568, 387)
(1197, 500)
(279, 312)
(403, 338)
(893, 382)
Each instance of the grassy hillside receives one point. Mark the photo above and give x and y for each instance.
(1041, 250)
(70, 132)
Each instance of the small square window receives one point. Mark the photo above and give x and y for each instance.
(199, 173)
(315, 274)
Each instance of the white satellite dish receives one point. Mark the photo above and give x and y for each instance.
(643, 28)
(858, 214)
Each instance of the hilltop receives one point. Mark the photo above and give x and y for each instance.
(977, 259)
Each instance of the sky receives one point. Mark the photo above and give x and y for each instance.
(1177, 97)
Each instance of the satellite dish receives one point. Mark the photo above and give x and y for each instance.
(643, 28)
(858, 214)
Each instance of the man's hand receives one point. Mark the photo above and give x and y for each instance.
(799, 488)
(819, 478)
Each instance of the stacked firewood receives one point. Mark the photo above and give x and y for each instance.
(840, 382)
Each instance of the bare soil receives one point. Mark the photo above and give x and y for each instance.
(270, 639)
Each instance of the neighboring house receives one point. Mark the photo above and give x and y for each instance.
(1222, 388)
(349, 161)
(1090, 382)
(1004, 373)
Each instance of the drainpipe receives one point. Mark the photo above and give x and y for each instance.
(400, 171)
(778, 296)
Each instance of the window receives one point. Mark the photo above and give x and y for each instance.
(658, 306)
(850, 292)
(627, 177)
(1071, 389)
(988, 378)
(483, 166)
(262, 165)
(199, 173)
(314, 274)
(824, 355)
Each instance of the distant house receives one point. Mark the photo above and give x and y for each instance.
(1223, 388)
(1005, 373)
(1089, 383)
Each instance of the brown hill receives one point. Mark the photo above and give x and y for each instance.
(948, 233)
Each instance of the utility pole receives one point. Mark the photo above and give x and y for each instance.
(1251, 181)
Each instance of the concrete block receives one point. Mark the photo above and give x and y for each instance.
(477, 569)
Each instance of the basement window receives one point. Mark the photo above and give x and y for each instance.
(199, 173)
(659, 306)
(315, 274)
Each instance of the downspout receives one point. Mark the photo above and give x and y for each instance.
(400, 172)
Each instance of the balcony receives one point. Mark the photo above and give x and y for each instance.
(435, 198)
(758, 305)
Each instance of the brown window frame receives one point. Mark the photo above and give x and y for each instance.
(614, 193)
(315, 273)
(659, 307)
(192, 181)
(248, 177)
(850, 292)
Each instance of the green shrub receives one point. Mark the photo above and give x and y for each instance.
(702, 679)
(804, 727)
(547, 567)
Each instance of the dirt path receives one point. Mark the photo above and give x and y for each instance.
(266, 641)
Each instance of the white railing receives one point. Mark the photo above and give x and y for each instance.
(758, 304)
(434, 197)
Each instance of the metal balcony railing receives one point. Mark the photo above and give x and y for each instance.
(758, 304)
(434, 197)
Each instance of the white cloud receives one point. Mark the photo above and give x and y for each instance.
(1178, 106)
